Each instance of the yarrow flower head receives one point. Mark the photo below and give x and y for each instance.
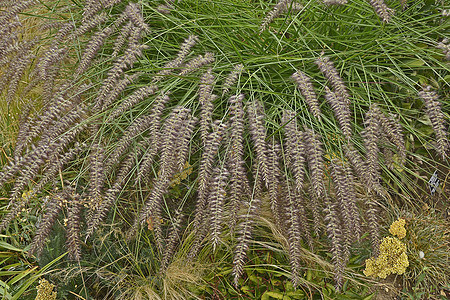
(45, 290)
(398, 228)
(392, 259)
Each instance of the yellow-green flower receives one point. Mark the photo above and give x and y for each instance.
(392, 259)
(45, 290)
(398, 228)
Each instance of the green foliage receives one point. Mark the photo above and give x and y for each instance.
(18, 274)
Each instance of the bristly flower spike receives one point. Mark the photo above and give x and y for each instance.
(371, 133)
(382, 10)
(134, 13)
(281, 7)
(92, 48)
(204, 182)
(255, 113)
(294, 235)
(231, 78)
(239, 185)
(132, 100)
(434, 112)
(168, 167)
(343, 189)
(314, 152)
(120, 41)
(155, 136)
(327, 67)
(52, 209)
(335, 235)
(246, 228)
(306, 88)
(196, 63)
(73, 242)
(334, 2)
(216, 201)
(445, 46)
(342, 112)
(206, 98)
(185, 49)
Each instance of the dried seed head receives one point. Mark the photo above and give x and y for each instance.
(197, 63)
(231, 78)
(341, 111)
(134, 13)
(327, 67)
(245, 234)
(306, 88)
(371, 135)
(255, 113)
(92, 48)
(444, 45)
(294, 234)
(132, 100)
(434, 112)
(185, 49)
(155, 135)
(120, 41)
(382, 10)
(164, 9)
(73, 242)
(216, 204)
(314, 153)
(334, 2)
(334, 233)
(239, 186)
(356, 160)
(281, 7)
(393, 131)
(206, 98)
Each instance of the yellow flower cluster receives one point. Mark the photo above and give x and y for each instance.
(45, 291)
(392, 259)
(398, 228)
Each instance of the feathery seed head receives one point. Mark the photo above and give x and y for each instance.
(334, 2)
(197, 63)
(306, 88)
(382, 10)
(445, 47)
(231, 78)
(434, 112)
(341, 111)
(185, 49)
(281, 7)
(314, 153)
(255, 113)
(371, 134)
(134, 13)
(327, 67)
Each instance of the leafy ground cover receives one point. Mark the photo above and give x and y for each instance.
(224, 150)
